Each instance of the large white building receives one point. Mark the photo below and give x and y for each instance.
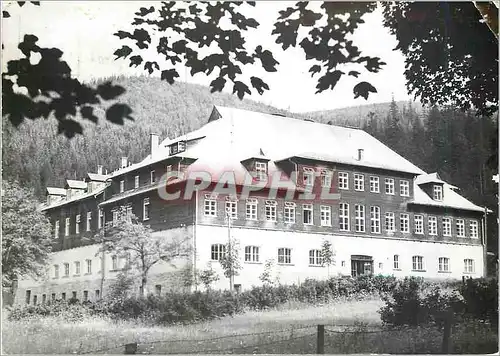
(384, 215)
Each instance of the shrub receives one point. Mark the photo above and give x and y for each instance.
(480, 299)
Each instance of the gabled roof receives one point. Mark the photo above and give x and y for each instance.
(94, 177)
(77, 197)
(451, 199)
(75, 184)
(429, 178)
(56, 191)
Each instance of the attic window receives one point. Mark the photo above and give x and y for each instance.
(177, 147)
(260, 170)
(438, 192)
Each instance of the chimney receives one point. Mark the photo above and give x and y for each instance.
(360, 154)
(154, 143)
(124, 162)
(99, 169)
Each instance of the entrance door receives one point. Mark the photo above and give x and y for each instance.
(361, 265)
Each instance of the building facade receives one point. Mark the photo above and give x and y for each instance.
(383, 215)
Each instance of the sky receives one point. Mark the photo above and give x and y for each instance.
(83, 30)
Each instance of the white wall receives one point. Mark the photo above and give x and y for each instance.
(382, 251)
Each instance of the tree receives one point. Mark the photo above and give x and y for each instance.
(26, 234)
(230, 261)
(266, 277)
(129, 238)
(327, 254)
(208, 276)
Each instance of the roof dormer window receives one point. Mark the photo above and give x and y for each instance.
(260, 170)
(177, 147)
(437, 192)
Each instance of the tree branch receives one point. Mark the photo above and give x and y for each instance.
(489, 12)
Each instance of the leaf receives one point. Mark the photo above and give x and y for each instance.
(179, 46)
(69, 128)
(29, 45)
(354, 73)
(258, 84)
(108, 91)
(314, 69)
(329, 80)
(363, 89)
(267, 59)
(144, 11)
(87, 112)
(123, 34)
(118, 112)
(240, 89)
(217, 84)
(21, 3)
(149, 67)
(5, 14)
(36, 3)
(123, 52)
(135, 60)
(169, 75)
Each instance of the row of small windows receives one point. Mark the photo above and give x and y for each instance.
(270, 210)
(443, 264)
(252, 254)
(374, 184)
(74, 295)
(116, 264)
(152, 179)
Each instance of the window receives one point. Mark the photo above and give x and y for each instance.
(77, 224)
(289, 213)
(232, 209)
(419, 224)
(473, 229)
(136, 182)
(177, 147)
(53, 296)
(114, 263)
(389, 186)
(218, 252)
(390, 222)
(437, 192)
(374, 184)
(417, 263)
(35, 298)
(152, 176)
(468, 265)
(129, 212)
(66, 227)
(444, 264)
(404, 223)
(343, 180)
(169, 168)
(251, 254)
(308, 176)
(359, 214)
(460, 228)
(315, 258)
(28, 296)
(74, 295)
(44, 298)
(359, 182)
(89, 266)
(56, 271)
(396, 262)
(307, 214)
(122, 186)
(89, 219)
(326, 179)
(270, 210)
(251, 209)
(326, 215)
(158, 289)
(97, 294)
(145, 209)
(77, 267)
(261, 171)
(375, 219)
(56, 229)
(63, 296)
(284, 255)
(85, 295)
(344, 217)
(432, 222)
(100, 221)
(115, 217)
(446, 227)
(210, 207)
(66, 269)
(404, 188)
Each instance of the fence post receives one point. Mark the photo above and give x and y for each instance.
(131, 349)
(320, 340)
(446, 347)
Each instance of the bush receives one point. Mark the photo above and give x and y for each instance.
(480, 299)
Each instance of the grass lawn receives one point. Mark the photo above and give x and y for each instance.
(290, 329)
